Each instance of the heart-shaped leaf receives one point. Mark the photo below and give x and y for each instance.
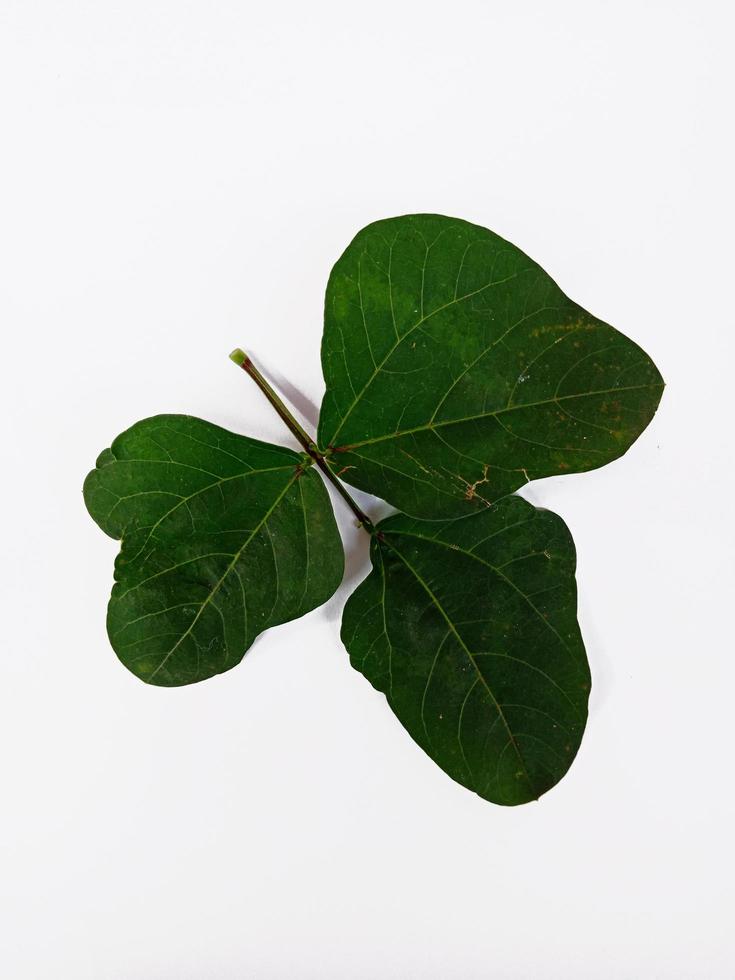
(469, 628)
(457, 370)
(222, 537)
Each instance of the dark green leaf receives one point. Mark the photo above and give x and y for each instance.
(457, 370)
(222, 537)
(469, 628)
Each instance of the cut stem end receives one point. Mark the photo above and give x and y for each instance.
(238, 356)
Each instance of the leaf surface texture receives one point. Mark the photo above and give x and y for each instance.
(222, 537)
(456, 370)
(469, 628)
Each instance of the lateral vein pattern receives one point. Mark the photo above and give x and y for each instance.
(452, 360)
(469, 628)
(219, 542)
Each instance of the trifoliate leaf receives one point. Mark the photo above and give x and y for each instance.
(457, 370)
(469, 628)
(222, 538)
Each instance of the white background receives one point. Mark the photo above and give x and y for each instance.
(177, 178)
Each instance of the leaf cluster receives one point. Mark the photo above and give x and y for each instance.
(456, 372)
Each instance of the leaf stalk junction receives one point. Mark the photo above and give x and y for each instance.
(301, 435)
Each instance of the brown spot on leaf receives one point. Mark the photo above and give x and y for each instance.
(471, 491)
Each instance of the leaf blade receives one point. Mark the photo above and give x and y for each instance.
(474, 641)
(222, 538)
(455, 378)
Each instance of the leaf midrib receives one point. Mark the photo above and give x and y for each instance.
(470, 656)
(185, 500)
(235, 559)
(482, 561)
(430, 426)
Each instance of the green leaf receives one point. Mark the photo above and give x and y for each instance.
(222, 538)
(469, 628)
(457, 370)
